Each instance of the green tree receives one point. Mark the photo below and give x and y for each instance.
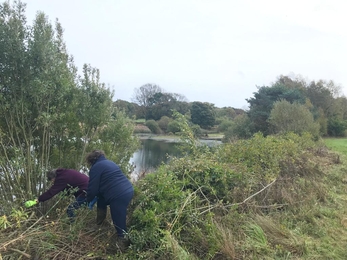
(203, 114)
(143, 96)
(153, 126)
(128, 107)
(163, 123)
(49, 117)
(173, 127)
(262, 103)
(286, 117)
(337, 127)
(239, 129)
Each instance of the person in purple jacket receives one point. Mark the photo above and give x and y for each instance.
(65, 180)
(108, 183)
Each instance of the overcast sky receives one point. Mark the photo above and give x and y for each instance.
(214, 51)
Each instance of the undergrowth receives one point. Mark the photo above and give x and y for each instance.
(275, 197)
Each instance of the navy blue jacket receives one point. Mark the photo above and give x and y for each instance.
(107, 180)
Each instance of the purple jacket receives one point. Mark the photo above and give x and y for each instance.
(67, 179)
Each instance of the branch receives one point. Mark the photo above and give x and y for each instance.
(20, 252)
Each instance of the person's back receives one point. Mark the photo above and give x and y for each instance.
(113, 183)
(108, 183)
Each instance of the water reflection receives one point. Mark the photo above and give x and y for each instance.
(151, 154)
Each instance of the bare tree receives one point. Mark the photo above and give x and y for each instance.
(143, 94)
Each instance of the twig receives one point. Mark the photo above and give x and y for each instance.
(255, 194)
(20, 252)
(247, 199)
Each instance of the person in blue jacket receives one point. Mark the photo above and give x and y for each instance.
(108, 183)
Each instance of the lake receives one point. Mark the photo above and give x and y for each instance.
(152, 153)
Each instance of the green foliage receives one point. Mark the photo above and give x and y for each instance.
(155, 103)
(203, 114)
(286, 117)
(153, 126)
(128, 108)
(262, 103)
(173, 127)
(155, 208)
(49, 115)
(116, 139)
(239, 129)
(226, 112)
(337, 127)
(164, 122)
(224, 125)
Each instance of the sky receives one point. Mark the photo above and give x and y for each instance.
(215, 51)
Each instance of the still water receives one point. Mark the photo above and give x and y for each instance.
(153, 153)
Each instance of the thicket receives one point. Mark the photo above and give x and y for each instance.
(49, 115)
(261, 198)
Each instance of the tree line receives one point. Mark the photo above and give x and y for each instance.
(290, 104)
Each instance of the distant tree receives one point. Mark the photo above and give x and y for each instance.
(203, 114)
(322, 95)
(173, 127)
(156, 103)
(240, 129)
(286, 117)
(337, 127)
(226, 112)
(262, 103)
(224, 125)
(153, 126)
(144, 95)
(163, 123)
(127, 107)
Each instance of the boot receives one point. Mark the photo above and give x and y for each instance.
(118, 244)
(100, 215)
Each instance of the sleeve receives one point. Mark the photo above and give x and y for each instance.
(58, 186)
(93, 184)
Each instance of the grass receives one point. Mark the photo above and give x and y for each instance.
(310, 228)
(337, 144)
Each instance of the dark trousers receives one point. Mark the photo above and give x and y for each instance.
(75, 205)
(118, 208)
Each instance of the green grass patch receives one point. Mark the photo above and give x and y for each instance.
(337, 144)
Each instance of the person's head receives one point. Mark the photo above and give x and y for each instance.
(93, 156)
(51, 175)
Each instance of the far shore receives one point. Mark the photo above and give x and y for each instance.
(175, 138)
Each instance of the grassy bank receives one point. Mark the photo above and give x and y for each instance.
(264, 198)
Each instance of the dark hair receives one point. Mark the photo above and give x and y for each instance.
(93, 156)
(51, 174)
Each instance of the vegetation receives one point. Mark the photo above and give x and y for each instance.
(250, 199)
(49, 115)
(257, 196)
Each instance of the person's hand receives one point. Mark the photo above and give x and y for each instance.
(91, 204)
(30, 203)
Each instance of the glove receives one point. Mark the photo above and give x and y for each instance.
(91, 204)
(30, 203)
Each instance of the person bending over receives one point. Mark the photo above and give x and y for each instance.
(65, 180)
(108, 183)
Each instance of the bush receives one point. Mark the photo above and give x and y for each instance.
(163, 123)
(337, 127)
(153, 126)
(174, 127)
(240, 129)
(224, 125)
(140, 128)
